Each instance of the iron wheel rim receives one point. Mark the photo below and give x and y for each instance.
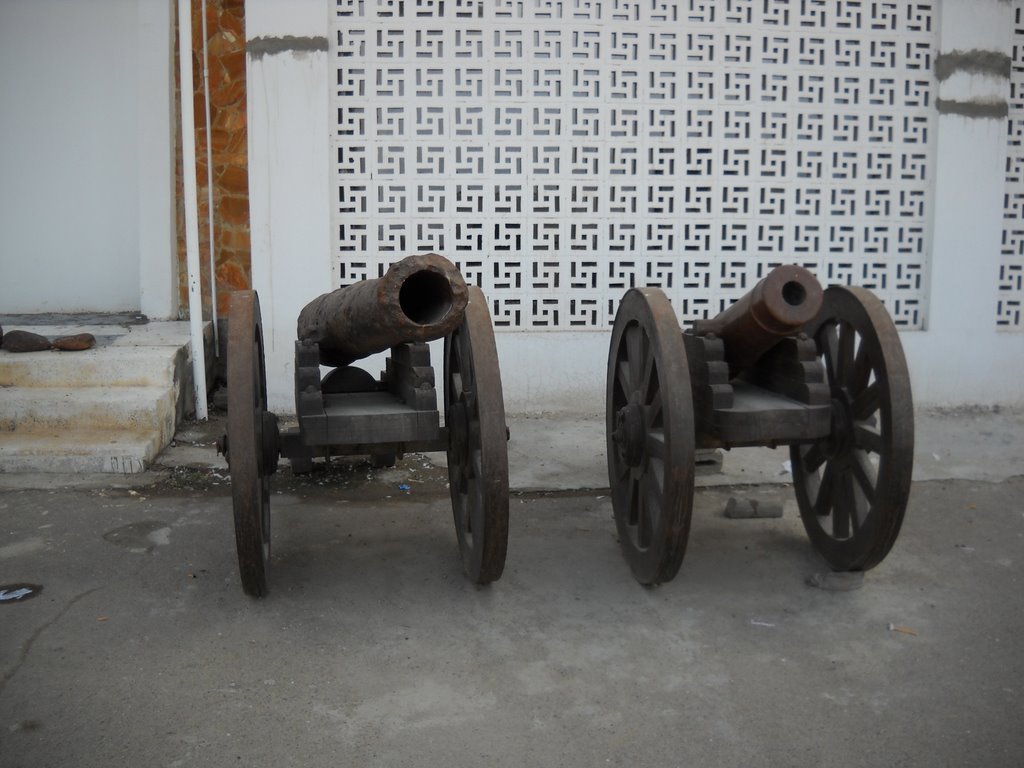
(477, 443)
(648, 401)
(852, 487)
(247, 402)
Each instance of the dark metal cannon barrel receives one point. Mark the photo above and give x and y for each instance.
(778, 306)
(420, 298)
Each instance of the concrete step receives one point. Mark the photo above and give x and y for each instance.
(52, 409)
(109, 409)
(121, 366)
(80, 451)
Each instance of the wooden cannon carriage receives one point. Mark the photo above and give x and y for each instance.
(788, 364)
(347, 411)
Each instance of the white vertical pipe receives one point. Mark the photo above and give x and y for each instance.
(188, 171)
(209, 183)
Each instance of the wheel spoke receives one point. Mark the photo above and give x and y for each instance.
(643, 525)
(811, 485)
(475, 465)
(655, 444)
(653, 412)
(813, 458)
(823, 501)
(625, 380)
(841, 508)
(649, 377)
(634, 353)
(864, 473)
(844, 359)
(861, 369)
(860, 510)
(656, 470)
(651, 511)
(867, 402)
(830, 348)
(868, 437)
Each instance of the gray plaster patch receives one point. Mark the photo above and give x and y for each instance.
(981, 109)
(259, 47)
(973, 62)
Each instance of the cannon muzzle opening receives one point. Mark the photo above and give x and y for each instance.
(420, 298)
(426, 297)
(794, 294)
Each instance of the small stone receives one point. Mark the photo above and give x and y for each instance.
(75, 343)
(24, 341)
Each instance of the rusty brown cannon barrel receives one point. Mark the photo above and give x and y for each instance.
(778, 306)
(420, 298)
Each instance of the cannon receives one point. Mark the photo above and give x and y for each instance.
(348, 412)
(821, 371)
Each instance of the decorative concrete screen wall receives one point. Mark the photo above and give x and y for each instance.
(563, 151)
(1011, 271)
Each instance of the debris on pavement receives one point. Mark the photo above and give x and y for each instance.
(903, 630)
(837, 581)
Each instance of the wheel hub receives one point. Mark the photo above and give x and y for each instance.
(841, 436)
(630, 434)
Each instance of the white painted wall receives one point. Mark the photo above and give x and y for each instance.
(157, 234)
(288, 174)
(86, 191)
(959, 359)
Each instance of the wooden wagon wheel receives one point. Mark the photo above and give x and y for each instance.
(477, 442)
(852, 486)
(252, 440)
(650, 435)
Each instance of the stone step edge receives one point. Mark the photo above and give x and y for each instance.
(38, 410)
(99, 367)
(119, 452)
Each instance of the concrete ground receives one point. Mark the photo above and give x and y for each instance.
(372, 649)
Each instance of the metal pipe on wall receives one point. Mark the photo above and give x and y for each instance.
(188, 164)
(209, 183)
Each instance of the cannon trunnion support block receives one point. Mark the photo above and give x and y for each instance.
(347, 411)
(788, 364)
(359, 411)
(783, 400)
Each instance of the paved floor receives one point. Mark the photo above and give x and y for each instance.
(372, 650)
